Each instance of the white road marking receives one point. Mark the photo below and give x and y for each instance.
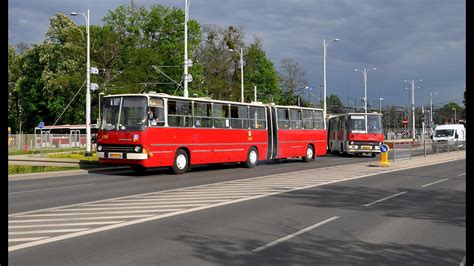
(432, 183)
(294, 234)
(462, 174)
(167, 201)
(26, 239)
(190, 190)
(77, 218)
(380, 200)
(59, 225)
(95, 213)
(125, 209)
(18, 192)
(48, 231)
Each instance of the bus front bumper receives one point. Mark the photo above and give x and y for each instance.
(122, 155)
(363, 149)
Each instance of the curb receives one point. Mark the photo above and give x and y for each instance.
(40, 175)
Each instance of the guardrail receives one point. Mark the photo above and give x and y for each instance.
(405, 150)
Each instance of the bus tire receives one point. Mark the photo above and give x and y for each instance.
(181, 162)
(373, 154)
(252, 158)
(308, 157)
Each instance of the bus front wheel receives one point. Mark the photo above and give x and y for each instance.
(181, 162)
(252, 158)
(309, 154)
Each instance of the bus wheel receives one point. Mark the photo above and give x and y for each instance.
(309, 154)
(252, 157)
(373, 154)
(180, 162)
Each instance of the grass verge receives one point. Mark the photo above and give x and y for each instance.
(78, 156)
(26, 169)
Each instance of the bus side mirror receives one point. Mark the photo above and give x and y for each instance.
(456, 135)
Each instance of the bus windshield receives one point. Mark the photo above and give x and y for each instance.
(374, 123)
(125, 113)
(356, 123)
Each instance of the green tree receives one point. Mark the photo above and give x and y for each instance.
(51, 73)
(334, 104)
(13, 76)
(445, 114)
(152, 37)
(259, 71)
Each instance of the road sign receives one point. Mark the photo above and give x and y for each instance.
(384, 148)
(41, 125)
(405, 121)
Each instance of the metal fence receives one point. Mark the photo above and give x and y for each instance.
(403, 150)
(27, 142)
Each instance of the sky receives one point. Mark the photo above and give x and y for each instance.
(402, 39)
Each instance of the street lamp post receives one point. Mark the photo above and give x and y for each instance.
(88, 91)
(431, 107)
(380, 105)
(364, 73)
(412, 82)
(325, 46)
(241, 72)
(99, 119)
(454, 114)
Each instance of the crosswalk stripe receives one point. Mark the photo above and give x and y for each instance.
(59, 225)
(48, 231)
(78, 218)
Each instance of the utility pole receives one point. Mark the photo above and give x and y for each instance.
(186, 49)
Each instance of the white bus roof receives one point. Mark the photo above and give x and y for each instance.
(354, 114)
(203, 99)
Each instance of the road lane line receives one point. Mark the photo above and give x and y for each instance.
(95, 213)
(48, 189)
(125, 209)
(59, 225)
(26, 239)
(462, 174)
(78, 219)
(48, 231)
(294, 234)
(436, 182)
(380, 200)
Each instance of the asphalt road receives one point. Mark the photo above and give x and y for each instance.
(26, 195)
(408, 217)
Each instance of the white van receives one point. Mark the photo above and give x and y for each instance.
(452, 135)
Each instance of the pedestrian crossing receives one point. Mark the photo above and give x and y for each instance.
(38, 227)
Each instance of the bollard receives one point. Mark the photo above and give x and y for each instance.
(384, 155)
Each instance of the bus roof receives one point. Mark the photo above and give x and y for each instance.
(206, 99)
(354, 114)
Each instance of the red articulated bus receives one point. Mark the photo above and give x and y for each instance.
(156, 129)
(355, 133)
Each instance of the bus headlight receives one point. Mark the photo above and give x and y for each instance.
(99, 148)
(137, 149)
(352, 142)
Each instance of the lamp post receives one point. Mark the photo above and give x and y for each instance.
(99, 119)
(380, 105)
(364, 73)
(454, 114)
(325, 46)
(412, 82)
(186, 61)
(88, 91)
(431, 107)
(241, 72)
